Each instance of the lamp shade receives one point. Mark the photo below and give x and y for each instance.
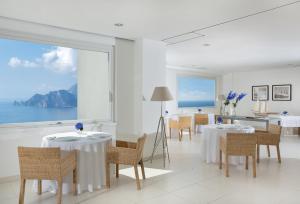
(161, 93)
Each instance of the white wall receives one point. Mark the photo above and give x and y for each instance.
(125, 75)
(171, 77)
(154, 74)
(140, 66)
(243, 82)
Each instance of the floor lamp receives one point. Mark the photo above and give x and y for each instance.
(161, 94)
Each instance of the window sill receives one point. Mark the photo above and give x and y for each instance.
(53, 123)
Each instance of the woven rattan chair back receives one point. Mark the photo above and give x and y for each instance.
(46, 164)
(140, 147)
(241, 144)
(238, 144)
(271, 137)
(127, 153)
(39, 163)
(185, 122)
(173, 123)
(274, 129)
(201, 119)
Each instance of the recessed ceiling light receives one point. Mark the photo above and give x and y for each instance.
(206, 44)
(119, 24)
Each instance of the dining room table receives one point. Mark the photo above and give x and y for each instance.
(210, 141)
(91, 151)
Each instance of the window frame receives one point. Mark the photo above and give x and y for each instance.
(75, 44)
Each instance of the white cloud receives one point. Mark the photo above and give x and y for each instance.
(59, 59)
(16, 62)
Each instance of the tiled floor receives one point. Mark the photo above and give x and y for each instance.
(189, 180)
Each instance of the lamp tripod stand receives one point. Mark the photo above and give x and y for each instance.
(161, 129)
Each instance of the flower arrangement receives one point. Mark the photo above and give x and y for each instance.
(238, 98)
(220, 120)
(79, 126)
(231, 95)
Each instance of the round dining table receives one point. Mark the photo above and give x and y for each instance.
(91, 149)
(210, 141)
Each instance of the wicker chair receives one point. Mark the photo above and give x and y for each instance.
(271, 137)
(46, 164)
(127, 153)
(184, 122)
(200, 119)
(238, 144)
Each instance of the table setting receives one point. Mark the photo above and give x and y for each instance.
(91, 150)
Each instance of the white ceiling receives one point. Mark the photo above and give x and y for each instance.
(267, 40)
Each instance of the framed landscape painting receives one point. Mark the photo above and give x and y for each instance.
(195, 92)
(282, 92)
(260, 93)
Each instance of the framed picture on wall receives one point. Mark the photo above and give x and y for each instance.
(282, 92)
(260, 93)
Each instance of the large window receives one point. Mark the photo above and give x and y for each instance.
(196, 92)
(38, 82)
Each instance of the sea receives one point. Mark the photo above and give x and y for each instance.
(9, 113)
(195, 104)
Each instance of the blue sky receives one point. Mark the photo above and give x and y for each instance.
(195, 89)
(27, 68)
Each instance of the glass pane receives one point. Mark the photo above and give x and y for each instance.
(38, 82)
(196, 92)
(93, 85)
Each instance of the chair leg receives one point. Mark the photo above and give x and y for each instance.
(107, 169)
(226, 166)
(246, 167)
(278, 153)
(179, 134)
(143, 169)
(39, 187)
(22, 191)
(268, 149)
(75, 181)
(170, 132)
(254, 165)
(258, 150)
(137, 177)
(59, 191)
(190, 133)
(117, 170)
(220, 162)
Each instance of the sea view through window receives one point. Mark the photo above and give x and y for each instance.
(38, 82)
(196, 92)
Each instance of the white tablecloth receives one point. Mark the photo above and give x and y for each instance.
(211, 139)
(290, 121)
(91, 148)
